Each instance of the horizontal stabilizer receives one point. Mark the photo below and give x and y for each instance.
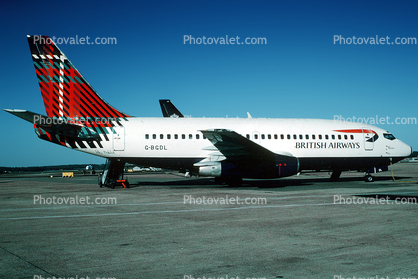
(60, 126)
(24, 114)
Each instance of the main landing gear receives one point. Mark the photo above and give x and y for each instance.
(336, 175)
(112, 175)
(368, 178)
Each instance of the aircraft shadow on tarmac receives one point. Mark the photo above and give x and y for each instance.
(314, 182)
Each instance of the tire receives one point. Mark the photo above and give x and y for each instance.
(100, 180)
(368, 178)
(335, 176)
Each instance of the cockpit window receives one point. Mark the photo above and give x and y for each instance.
(389, 136)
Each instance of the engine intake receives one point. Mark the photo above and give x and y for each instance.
(215, 169)
(286, 165)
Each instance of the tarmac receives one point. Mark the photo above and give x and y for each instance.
(167, 225)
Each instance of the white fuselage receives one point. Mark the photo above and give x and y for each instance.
(318, 144)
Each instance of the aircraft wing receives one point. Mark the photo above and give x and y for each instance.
(241, 155)
(236, 147)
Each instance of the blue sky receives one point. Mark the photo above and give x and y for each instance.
(299, 73)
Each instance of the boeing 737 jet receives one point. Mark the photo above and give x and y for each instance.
(228, 149)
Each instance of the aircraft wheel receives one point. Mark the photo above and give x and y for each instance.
(335, 175)
(368, 178)
(100, 180)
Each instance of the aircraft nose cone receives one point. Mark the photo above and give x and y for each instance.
(408, 150)
(404, 149)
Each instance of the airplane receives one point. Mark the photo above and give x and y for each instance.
(228, 149)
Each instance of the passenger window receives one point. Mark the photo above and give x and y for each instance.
(320, 137)
(345, 137)
(326, 137)
(352, 137)
(263, 136)
(275, 136)
(247, 136)
(307, 136)
(269, 136)
(295, 137)
(176, 136)
(154, 136)
(333, 137)
(183, 136)
(313, 136)
(197, 136)
(282, 136)
(190, 136)
(168, 136)
(300, 137)
(146, 136)
(339, 137)
(161, 136)
(255, 136)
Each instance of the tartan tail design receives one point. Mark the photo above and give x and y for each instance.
(65, 92)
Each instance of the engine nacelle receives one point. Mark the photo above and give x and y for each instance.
(215, 169)
(281, 166)
(286, 165)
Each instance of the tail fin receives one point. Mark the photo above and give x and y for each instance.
(65, 92)
(169, 109)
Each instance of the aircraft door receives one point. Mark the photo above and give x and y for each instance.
(119, 138)
(368, 137)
